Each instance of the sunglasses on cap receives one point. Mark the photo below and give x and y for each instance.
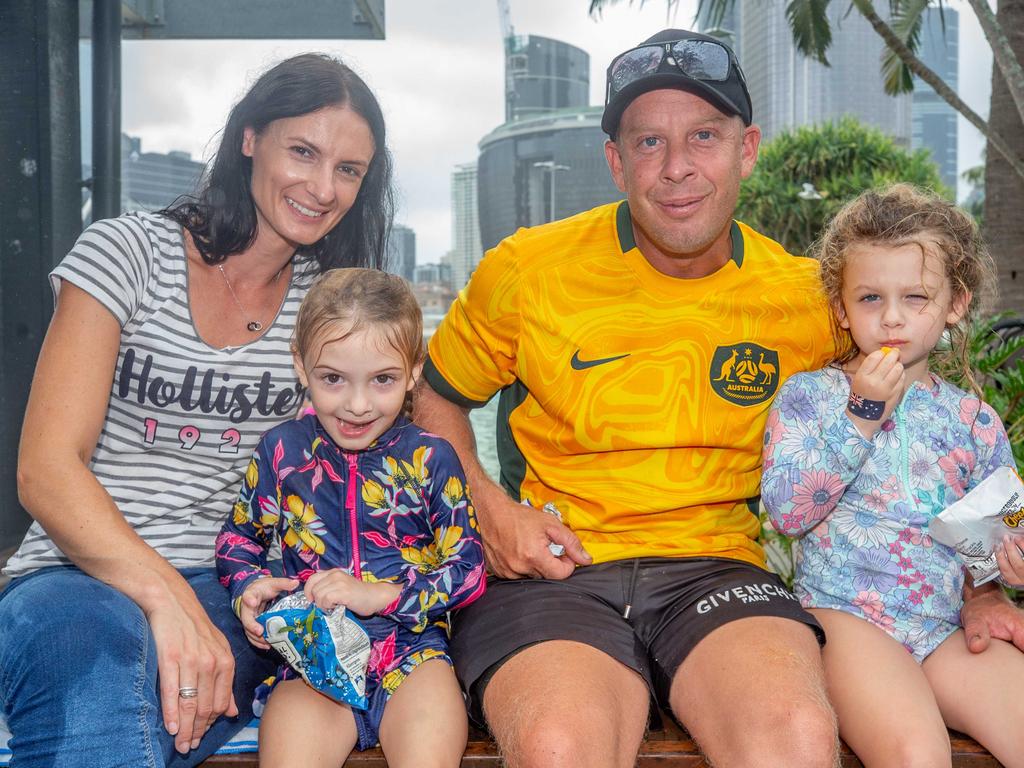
(697, 59)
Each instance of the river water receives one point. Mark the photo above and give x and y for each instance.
(482, 419)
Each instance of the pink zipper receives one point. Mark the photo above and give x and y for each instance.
(353, 519)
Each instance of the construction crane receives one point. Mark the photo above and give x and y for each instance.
(505, 17)
(514, 63)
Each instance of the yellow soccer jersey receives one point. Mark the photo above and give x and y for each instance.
(636, 402)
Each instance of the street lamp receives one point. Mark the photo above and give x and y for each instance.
(808, 192)
(551, 167)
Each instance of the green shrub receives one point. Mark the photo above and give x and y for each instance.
(838, 161)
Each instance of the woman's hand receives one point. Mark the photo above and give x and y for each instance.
(254, 601)
(329, 589)
(191, 653)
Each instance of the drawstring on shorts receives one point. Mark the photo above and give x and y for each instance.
(632, 588)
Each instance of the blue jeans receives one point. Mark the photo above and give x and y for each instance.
(78, 673)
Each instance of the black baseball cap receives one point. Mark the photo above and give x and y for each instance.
(676, 58)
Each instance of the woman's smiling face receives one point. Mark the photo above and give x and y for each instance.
(306, 173)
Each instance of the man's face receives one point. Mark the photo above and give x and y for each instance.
(680, 161)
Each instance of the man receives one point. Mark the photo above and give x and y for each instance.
(637, 348)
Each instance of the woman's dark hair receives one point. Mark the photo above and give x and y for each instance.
(222, 217)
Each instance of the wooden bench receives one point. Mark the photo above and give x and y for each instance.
(669, 747)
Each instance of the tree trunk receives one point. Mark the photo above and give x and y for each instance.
(1004, 189)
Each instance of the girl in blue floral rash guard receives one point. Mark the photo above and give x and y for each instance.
(860, 456)
(372, 513)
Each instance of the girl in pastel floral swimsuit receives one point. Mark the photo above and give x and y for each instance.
(372, 513)
(861, 455)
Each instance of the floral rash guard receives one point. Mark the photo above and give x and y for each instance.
(862, 507)
(398, 511)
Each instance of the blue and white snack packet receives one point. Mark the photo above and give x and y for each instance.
(330, 649)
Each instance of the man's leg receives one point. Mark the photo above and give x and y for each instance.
(567, 704)
(561, 676)
(752, 693)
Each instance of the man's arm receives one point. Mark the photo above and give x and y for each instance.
(515, 536)
(988, 613)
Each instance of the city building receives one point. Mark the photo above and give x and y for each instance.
(934, 121)
(543, 75)
(547, 160)
(401, 252)
(788, 89)
(149, 180)
(152, 180)
(539, 170)
(466, 251)
(728, 27)
(440, 274)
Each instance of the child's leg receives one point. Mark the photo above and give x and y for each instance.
(887, 712)
(303, 727)
(424, 722)
(979, 694)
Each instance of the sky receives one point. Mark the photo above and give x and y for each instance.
(439, 76)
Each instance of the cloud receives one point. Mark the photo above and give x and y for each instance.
(439, 76)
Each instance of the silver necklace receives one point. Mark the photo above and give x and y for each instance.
(255, 326)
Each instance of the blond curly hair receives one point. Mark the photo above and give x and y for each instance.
(897, 215)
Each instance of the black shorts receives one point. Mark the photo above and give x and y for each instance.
(673, 603)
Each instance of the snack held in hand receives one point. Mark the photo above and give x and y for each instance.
(975, 524)
(330, 649)
(555, 549)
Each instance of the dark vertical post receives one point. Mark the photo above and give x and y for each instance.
(40, 204)
(106, 109)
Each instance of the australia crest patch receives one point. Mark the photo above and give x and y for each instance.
(744, 373)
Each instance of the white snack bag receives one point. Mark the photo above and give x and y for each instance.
(975, 524)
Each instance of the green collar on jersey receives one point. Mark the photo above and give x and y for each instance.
(627, 242)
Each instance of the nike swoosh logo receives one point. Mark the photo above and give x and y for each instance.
(582, 365)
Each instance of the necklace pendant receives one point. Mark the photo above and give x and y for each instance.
(254, 326)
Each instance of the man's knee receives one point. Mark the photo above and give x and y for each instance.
(587, 738)
(566, 705)
(801, 732)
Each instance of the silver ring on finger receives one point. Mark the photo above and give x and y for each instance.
(188, 692)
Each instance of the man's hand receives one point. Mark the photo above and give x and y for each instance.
(516, 539)
(1011, 561)
(987, 613)
(880, 377)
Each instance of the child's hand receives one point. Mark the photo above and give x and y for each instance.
(329, 589)
(880, 378)
(254, 601)
(1011, 561)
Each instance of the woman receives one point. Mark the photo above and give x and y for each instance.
(167, 357)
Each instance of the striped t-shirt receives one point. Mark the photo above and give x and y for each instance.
(183, 418)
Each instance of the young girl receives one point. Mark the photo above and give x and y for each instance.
(861, 455)
(372, 513)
